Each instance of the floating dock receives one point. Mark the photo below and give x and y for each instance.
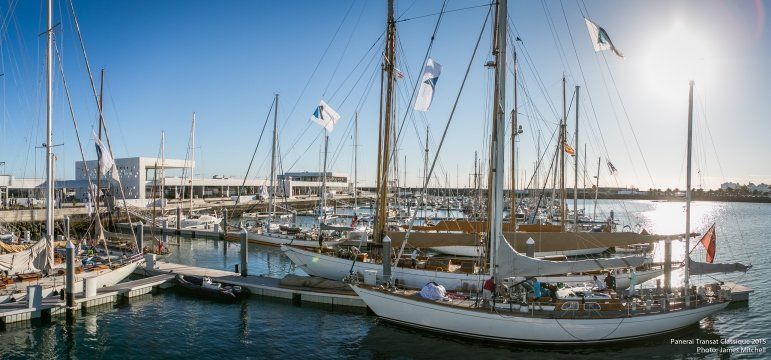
(54, 305)
(259, 285)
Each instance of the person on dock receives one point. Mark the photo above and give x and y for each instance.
(610, 281)
(414, 258)
(488, 291)
(321, 240)
(632, 283)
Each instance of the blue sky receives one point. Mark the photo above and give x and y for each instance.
(165, 60)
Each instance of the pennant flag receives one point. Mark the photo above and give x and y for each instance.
(600, 38)
(428, 85)
(399, 74)
(106, 162)
(568, 149)
(611, 168)
(325, 116)
(708, 241)
(264, 192)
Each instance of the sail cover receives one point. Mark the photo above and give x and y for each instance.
(30, 260)
(703, 268)
(511, 263)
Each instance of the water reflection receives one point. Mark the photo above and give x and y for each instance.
(221, 255)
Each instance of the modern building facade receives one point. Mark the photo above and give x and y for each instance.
(309, 183)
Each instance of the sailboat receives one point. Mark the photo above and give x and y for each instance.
(333, 267)
(38, 260)
(195, 220)
(275, 234)
(566, 316)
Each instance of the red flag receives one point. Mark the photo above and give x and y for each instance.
(708, 241)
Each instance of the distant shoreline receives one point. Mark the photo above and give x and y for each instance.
(696, 195)
(745, 199)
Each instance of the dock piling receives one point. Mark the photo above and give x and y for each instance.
(70, 277)
(179, 218)
(165, 236)
(244, 253)
(67, 228)
(386, 259)
(140, 236)
(224, 223)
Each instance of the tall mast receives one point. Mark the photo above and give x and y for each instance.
(388, 72)
(192, 162)
(686, 271)
(163, 171)
(561, 149)
(596, 189)
(355, 161)
(497, 139)
(513, 210)
(425, 158)
(475, 201)
(49, 139)
(271, 205)
(324, 177)
(98, 229)
(538, 163)
(584, 180)
(575, 179)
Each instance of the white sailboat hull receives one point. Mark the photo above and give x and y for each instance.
(52, 283)
(474, 251)
(526, 329)
(334, 268)
(273, 239)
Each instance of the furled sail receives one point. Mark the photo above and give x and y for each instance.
(30, 260)
(511, 263)
(544, 241)
(702, 268)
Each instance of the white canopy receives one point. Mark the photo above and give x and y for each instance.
(30, 260)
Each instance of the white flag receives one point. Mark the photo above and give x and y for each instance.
(325, 116)
(264, 192)
(600, 38)
(106, 162)
(428, 85)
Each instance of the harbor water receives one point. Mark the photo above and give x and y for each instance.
(171, 325)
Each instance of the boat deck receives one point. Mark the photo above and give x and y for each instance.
(558, 309)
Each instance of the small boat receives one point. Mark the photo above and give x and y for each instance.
(206, 287)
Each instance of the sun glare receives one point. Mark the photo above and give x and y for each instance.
(675, 56)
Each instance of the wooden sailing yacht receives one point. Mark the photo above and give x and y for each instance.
(334, 267)
(564, 316)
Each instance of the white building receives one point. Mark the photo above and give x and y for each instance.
(729, 185)
(760, 188)
(138, 177)
(309, 183)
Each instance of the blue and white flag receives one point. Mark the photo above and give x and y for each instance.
(600, 38)
(325, 116)
(106, 162)
(428, 85)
